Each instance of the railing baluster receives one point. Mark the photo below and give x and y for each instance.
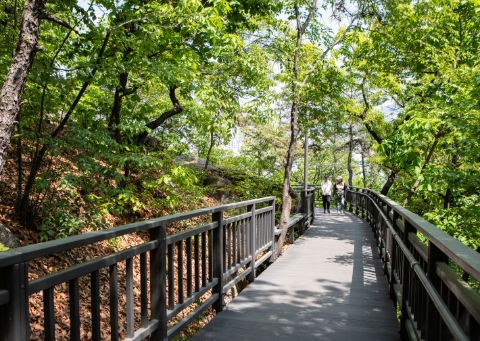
(253, 234)
(95, 302)
(157, 282)
(16, 324)
(74, 310)
(129, 294)
(197, 262)
(234, 244)
(180, 271)
(433, 317)
(49, 314)
(144, 290)
(217, 261)
(204, 259)
(171, 278)
(114, 302)
(189, 266)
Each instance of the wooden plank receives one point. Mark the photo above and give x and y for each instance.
(329, 285)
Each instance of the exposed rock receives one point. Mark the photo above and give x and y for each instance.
(221, 188)
(194, 162)
(216, 181)
(7, 238)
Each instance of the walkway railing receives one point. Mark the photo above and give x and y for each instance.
(175, 272)
(424, 267)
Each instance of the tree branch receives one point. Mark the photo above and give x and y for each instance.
(327, 50)
(152, 125)
(49, 17)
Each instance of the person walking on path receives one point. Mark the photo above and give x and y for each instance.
(326, 194)
(339, 194)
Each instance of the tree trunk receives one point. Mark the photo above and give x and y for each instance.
(389, 182)
(364, 175)
(115, 119)
(294, 130)
(23, 208)
(152, 125)
(14, 84)
(448, 201)
(209, 153)
(334, 157)
(350, 152)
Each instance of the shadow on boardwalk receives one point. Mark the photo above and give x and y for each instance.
(329, 285)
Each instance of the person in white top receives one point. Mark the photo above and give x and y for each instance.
(326, 194)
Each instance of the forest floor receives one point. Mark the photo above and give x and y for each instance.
(46, 265)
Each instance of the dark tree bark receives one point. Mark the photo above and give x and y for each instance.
(209, 153)
(294, 129)
(115, 119)
(388, 184)
(364, 175)
(177, 109)
(14, 84)
(350, 152)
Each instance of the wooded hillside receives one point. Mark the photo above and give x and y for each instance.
(101, 99)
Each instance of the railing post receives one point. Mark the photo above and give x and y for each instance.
(303, 224)
(312, 205)
(158, 290)
(273, 257)
(406, 282)
(14, 315)
(218, 260)
(433, 317)
(253, 237)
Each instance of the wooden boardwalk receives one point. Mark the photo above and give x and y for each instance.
(329, 285)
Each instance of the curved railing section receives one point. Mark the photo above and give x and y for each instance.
(424, 267)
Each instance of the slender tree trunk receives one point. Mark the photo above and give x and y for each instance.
(448, 201)
(115, 118)
(14, 84)
(334, 156)
(350, 152)
(388, 184)
(209, 153)
(364, 175)
(24, 203)
(417, 182)
(294, 129)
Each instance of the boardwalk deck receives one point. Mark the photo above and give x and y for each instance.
(329, 285)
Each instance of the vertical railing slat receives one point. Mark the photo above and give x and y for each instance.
(95, 302)
(144, 290)
(217, 261)
(180, 271)
(114, 302)
(158, 284)
(49, 314)
(74, 310)
(171, 278)
(197, 262)
(129, 293)
(189, 266)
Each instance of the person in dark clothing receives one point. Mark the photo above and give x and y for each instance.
(339, 194)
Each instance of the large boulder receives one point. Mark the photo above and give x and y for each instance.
(7, 238)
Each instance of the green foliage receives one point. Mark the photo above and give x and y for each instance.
(3, 248)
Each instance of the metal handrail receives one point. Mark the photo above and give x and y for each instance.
(412, 271)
